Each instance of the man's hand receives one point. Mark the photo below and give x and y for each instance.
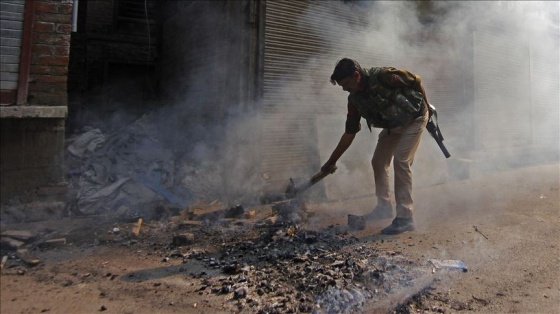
(329, 167)
(343, 144)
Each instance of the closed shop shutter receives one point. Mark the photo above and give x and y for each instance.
(11, 30)
(545, 86)
(502, 105)
(443, 76)
(303, 42)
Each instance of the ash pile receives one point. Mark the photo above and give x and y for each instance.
(279, 267)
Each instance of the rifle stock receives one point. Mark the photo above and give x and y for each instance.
(435, 132)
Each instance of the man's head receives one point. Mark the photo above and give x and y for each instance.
(348, 74)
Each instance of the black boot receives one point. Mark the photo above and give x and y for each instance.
(399, 225)
(380, 212)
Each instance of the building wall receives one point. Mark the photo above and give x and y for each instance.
(32, 157)
(49, 53)
(32, 133)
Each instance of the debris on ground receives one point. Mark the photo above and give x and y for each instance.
(277, 268)
(448, 264)
(477, 230)
(130, 172)
(356, 222)
(52, 243)
(27, 257)
(137, 226)
(4, 260)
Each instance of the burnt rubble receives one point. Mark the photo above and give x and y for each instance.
(282, 268)
(261, 264)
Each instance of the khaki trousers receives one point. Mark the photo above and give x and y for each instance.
(400, 145)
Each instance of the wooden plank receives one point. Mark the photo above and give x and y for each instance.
(136, 228)
(10, 243)
(22, 235)
(34, 112)
(53, 243)
(27, 257)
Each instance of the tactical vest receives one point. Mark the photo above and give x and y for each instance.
(384, 107)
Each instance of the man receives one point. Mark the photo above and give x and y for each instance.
(396, 101)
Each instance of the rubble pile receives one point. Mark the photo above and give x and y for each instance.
(284, 269)
(247, 262)
(130, 172)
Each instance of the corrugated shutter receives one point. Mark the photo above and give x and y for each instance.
(303, 42)
(502, 108)
(443, 77)
(545, 87)
(11, 30)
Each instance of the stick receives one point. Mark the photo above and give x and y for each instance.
(476, 229)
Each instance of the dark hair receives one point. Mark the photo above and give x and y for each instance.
(345, 68)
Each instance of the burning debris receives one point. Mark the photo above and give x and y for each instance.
(256, 260)
(283, 268)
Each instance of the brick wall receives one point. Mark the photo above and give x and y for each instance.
(50, 53)
(32, 139)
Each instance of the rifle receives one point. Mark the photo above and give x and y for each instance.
(435, 132)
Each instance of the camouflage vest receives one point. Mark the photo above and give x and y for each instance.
(384, 107)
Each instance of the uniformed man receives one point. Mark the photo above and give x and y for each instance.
(394, 100)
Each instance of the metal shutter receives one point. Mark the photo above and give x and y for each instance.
(11, 29)
(443, 77)
(502, 108)
(303, 42)
(545, 87)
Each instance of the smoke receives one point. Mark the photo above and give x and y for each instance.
(489, 67)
